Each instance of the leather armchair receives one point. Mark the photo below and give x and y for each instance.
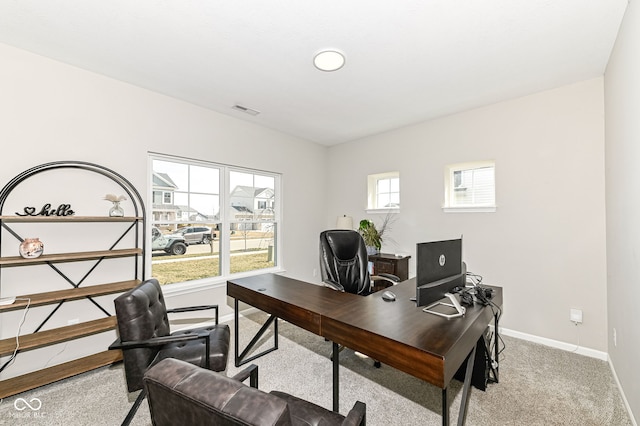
(145, 338)
(181, 393)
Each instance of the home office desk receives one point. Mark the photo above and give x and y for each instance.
(398, 334)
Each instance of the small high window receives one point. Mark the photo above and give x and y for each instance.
(383, 191)
(470, 187)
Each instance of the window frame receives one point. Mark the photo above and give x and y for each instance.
(224, 221)
(372, 192)
(449, 205)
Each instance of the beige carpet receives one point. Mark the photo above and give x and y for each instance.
(538, 386)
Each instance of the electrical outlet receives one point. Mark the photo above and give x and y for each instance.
(73, 321)
(615, 337)
(575, 316)
(315, 272)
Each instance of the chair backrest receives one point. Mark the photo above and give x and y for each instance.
(181, 393)
(141, 314)
(344, 260)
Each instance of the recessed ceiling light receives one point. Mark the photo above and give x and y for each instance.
(329, 60)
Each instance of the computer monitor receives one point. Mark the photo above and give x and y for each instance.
(439, 269)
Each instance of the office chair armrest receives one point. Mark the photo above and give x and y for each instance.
(357, 416)
(250, 372)
(334, 285)
(388, 277)
(194, 308)
(156, 341)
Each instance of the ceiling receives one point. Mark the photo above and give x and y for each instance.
(407, 60)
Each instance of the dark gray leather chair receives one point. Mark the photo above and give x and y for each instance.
(145, 338)
(180, 393)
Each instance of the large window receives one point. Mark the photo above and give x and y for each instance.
(470, 187)
(211, 220)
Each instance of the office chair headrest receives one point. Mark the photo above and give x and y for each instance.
(344, 243)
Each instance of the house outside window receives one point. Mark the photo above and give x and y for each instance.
(196, 236)
(383, 191)
(470, 187)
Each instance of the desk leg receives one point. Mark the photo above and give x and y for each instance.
(496, 351)
(336, 377)
(462, 415)
(445, 408)
(240, 358)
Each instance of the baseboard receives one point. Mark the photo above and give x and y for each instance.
(556, 344)
(624, 397)
(604, 356)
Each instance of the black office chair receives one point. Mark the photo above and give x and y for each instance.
(344, 265)
(145, 339)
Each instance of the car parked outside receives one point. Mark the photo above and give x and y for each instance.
(197, 234)
(171, 243)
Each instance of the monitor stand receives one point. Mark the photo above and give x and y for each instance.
(447, 310)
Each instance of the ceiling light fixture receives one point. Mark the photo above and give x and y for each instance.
(329, 60)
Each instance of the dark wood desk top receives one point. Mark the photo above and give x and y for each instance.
(295, 301)
(397, 333)
(401, 335)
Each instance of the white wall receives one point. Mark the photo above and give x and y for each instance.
(546, 243)
(622, 106)
(50, 111)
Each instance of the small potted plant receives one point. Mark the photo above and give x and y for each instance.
(371, 236)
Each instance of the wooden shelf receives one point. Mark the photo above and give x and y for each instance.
(68, 257)
(57, 335)
(54, 219)
(49, 375)
(131, 227)
(39, 299)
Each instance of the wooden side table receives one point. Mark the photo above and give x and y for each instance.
(384, 263)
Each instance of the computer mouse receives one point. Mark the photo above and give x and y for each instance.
(389, 296)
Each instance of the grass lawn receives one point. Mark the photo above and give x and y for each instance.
(187, 270)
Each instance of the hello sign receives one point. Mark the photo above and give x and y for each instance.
(46, 210)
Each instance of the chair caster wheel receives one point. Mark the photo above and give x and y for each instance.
(376, 364)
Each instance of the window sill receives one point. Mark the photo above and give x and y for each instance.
(470, 209)
(383, 211)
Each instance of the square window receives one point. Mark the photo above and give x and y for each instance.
(383, 191)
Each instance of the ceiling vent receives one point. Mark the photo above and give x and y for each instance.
(245, 110)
